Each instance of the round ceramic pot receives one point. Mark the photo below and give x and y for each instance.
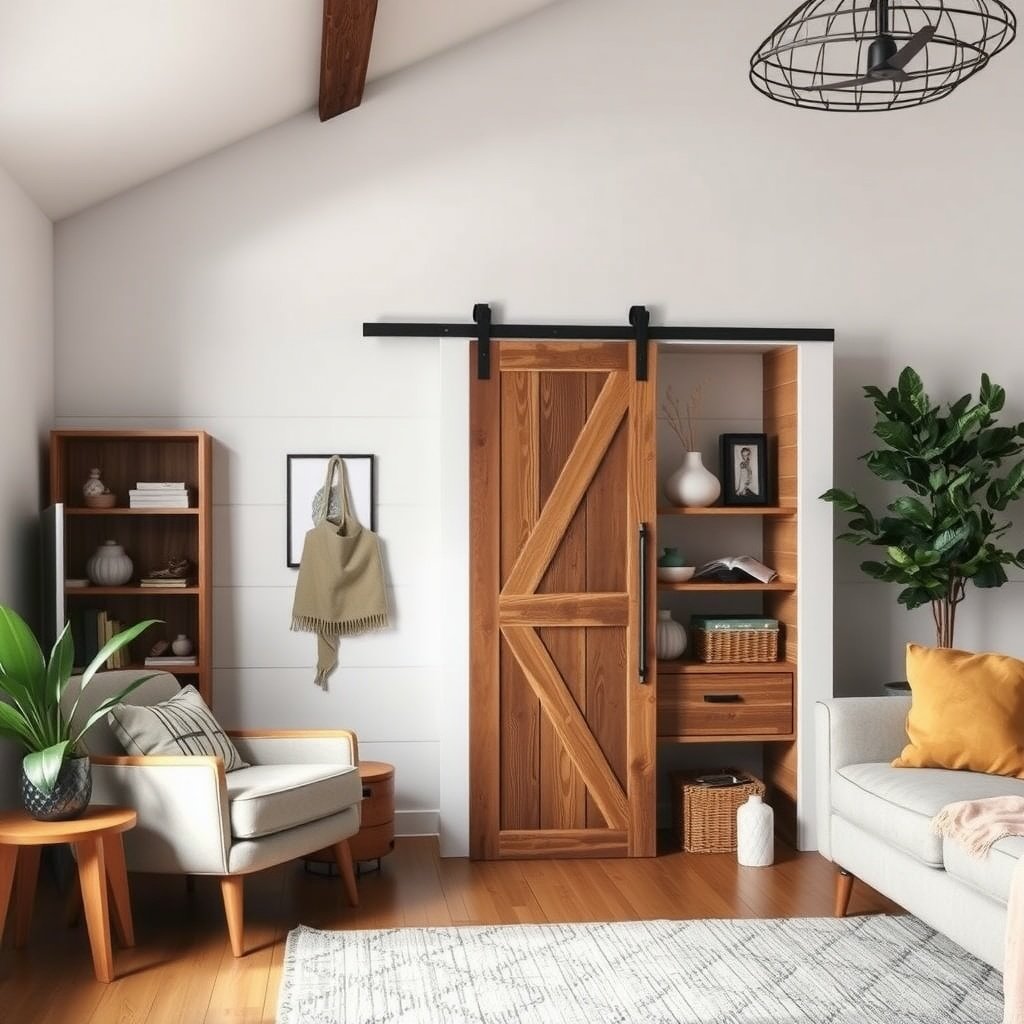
(669, 637)
(181, 646)
(692, 485)
(70, 796)
(94, 486)
(109, 566)
(671, 557)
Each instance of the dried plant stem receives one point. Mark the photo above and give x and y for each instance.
(682, 423)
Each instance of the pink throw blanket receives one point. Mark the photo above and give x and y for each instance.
(977, 824)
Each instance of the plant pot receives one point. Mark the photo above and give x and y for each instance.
(70, 797)
(692, 485)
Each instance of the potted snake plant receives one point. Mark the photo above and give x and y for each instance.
(56, 782)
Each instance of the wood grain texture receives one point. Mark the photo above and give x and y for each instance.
(764, 708)
(343, 854)
(569, 489)
(595, 609)
(117, 888)
(344, 54)
(698, 586)
(232, 891)
(92, 875)
(727, 511)
(19, 828)
(641, 491)
(844, 890)
(484, 584)
(703, 668)
(562, 356)
(8, 870)
(182, 970)
(564, 714)
(551, 842)
(25, 892)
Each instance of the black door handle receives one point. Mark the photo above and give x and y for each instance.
(722, 698)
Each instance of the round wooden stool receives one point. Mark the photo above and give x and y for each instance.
(376, 835)
(96, 837)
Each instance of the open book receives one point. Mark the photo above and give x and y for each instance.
(738, 569)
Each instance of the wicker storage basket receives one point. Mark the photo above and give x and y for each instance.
(743, 645)
(705, 816)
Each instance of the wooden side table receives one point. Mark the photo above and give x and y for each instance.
(376, 835)
(96, 836)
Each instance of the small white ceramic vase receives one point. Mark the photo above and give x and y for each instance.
(692, 484)
(181, 645)
(669, 637)
(109, 566)
(94, 485)
(755, 833)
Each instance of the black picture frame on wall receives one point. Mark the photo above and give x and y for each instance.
(306, 474)
(746, 475)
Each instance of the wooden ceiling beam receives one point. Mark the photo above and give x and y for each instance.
(345, 54)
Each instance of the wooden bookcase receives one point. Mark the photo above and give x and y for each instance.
(149, 536)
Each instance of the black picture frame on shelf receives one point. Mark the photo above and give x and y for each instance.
(746, 475)
(306, 475)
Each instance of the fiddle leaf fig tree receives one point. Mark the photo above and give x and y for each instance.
(961, 471)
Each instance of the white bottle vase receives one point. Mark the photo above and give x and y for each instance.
(109, 566)
(755, 833)
(182, 646)
(692, 484)
(669, 637)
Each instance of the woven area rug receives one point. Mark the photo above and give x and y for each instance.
(863, 970)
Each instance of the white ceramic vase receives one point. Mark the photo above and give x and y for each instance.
(755, 833)
(109, 566)
(692, 485)
(94, 485)
(669, 637)
(181, 645)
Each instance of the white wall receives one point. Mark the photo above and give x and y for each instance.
(26, 404)
(596, 155)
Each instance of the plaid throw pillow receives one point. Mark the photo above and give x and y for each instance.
(181, 725)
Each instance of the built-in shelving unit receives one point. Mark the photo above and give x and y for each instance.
(736, 588)
(728, 510)
(150, 536)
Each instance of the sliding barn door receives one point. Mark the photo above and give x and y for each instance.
(562, 689)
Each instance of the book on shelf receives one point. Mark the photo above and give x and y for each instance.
(736, 569)
(731, 623)
(150, 583)
(155, 661)
(159, 485)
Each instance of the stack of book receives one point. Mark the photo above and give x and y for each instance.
(91, 628)
(163, 581)
(170, 661)
(158, 494)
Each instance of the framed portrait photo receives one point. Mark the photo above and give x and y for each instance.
(745, 476)
(306, 474)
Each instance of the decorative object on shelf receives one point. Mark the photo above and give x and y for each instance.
(692, 485)
(109, 566)
(851, 55)
(306, 495)
(669, 637)
(672, 567)
(159, 649)
(96, 493)
(56, 780)
(340, 590)
(158, 494)
(958, 471)
(745, 474)
(182, 646)
(704, 816)
(76, 582)
(735, 638)
(755, 833)
(174, 573)
(736, 569)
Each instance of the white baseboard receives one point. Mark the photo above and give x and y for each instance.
(417, 823)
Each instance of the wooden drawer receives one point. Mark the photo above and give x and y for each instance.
(745, 706)
(373, 841)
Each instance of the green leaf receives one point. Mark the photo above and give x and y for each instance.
(20, 656)
(912, 509)
(990, 575)
(13, 724)
(899, 556)
(112, 646)
(847, 502)
(43, 766)
(62, 660)
(914, 597)
(896, 434)
(949, 539)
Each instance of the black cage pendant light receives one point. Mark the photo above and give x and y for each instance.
(858, 55)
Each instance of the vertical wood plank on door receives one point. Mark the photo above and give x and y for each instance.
(607, 682)
(562, 413)
(642, 707)
(520, 733)
(485, 582)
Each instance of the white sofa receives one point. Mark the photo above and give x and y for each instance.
(874, 823)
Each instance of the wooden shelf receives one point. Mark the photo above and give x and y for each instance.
(731, 510)
(175, 670)
(721, 587)
(683, 667)
(130, 591)
(131, 511)
(739, 738)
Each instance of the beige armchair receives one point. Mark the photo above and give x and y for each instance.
(302, 793)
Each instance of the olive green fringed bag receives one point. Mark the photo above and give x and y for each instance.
(340, 590)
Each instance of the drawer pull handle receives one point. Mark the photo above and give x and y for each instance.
(367, 792)
(722, 698)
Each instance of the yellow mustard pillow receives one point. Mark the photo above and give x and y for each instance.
(967, 712)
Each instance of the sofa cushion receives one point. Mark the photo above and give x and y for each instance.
(990, 874)
(269, 798)
(898, 804)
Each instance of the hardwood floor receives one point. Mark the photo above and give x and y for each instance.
(182, 972)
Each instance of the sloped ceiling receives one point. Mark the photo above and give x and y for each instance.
(97, 96)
